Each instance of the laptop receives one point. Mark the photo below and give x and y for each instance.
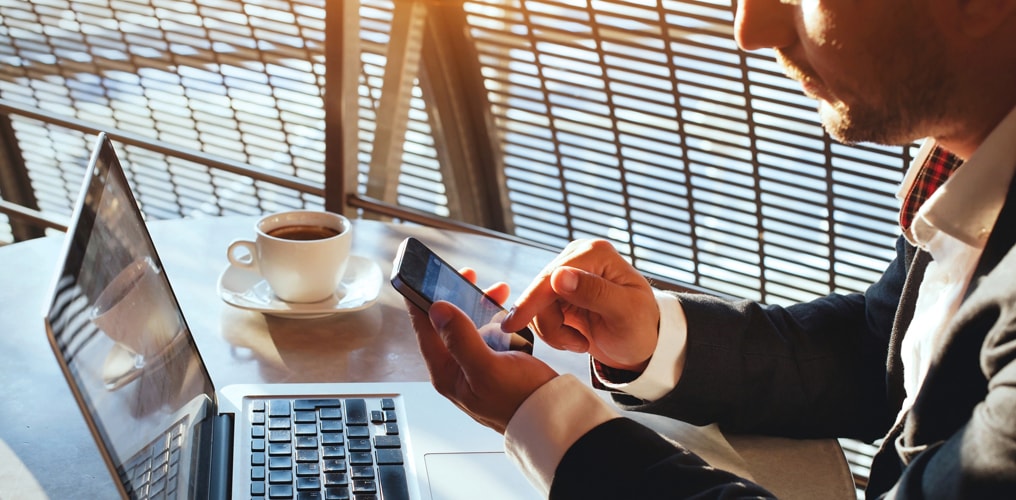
(165, 430)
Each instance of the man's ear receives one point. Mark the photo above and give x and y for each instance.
(980, 18)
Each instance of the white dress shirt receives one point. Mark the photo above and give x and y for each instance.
(953, 225)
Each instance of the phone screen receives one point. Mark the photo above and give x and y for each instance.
(425, 278)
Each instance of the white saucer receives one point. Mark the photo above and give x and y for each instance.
(359, 289)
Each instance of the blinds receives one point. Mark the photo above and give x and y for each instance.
(641, 122)
(239, 80)
(637, 121)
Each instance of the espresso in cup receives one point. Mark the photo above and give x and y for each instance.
(302, 254)
(303, 233)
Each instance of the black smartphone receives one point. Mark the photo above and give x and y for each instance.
(424, 278)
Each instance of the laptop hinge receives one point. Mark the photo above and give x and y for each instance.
(221, 465)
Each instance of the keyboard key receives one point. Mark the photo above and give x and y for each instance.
(280, 476)
(377, 416)
(390, 416)
(336, 479)
(356, 412)
(278, 423)
(283, 462)
(358, 444)
(309, 469)
(280, 491)
(257, 488)
(360, 458)
(387, 442)
(305, 429)
(279, 436)
(331, 438)
(393, 482)
(330, 413)
(310, 404)
(305, 417)
(389, 457)
(308, 483)
(334, 465)
(278, 408)
(257, 431)
(337, 493)
(309, 495)
(257, 458)
(307, 456)
(391, 428)
(304, 442)
(330, 425)
(257, 473)
(387, 404)
(364, 486)
(357, 431)
(362, 471)
(257, 445)
(333, 451)
(280, 449)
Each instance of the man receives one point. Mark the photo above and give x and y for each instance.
(926, 357)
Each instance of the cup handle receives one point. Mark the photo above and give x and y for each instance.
(243, 259)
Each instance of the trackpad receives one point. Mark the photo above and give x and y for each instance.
(468, 476)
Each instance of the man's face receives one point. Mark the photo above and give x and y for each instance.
(873, 65)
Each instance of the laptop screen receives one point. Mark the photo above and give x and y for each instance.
(122, 342)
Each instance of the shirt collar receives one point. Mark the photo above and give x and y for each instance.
(967, 203)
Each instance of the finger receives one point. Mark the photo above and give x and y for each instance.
(499, 292)
(588, 291)
(440, 364)
(461, 339)
(550, 326)
(534, 299)
(539, 294)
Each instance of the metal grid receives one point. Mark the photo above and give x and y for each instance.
(641, 122)
(237, 80)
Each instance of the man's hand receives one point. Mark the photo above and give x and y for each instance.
(589, 299)
(489, 386)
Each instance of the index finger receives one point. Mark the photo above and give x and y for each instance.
(537, 296)
(540, 294)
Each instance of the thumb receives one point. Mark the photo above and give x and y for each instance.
(460, 337)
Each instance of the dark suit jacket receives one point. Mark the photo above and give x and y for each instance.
(831, 368)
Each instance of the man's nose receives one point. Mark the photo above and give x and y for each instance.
(762, 24)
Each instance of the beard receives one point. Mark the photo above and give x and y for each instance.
(900, 95)
(898, 117)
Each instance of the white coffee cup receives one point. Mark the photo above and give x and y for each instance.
(302, 254)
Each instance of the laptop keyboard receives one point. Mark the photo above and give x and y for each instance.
(326, 449)
(152, 472)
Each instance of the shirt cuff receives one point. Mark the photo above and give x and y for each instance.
(548, 422)
(665, 367)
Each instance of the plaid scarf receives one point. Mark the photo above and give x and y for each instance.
(935, 170)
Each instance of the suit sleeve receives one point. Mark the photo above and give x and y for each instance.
(816, 369)
(622, 459)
